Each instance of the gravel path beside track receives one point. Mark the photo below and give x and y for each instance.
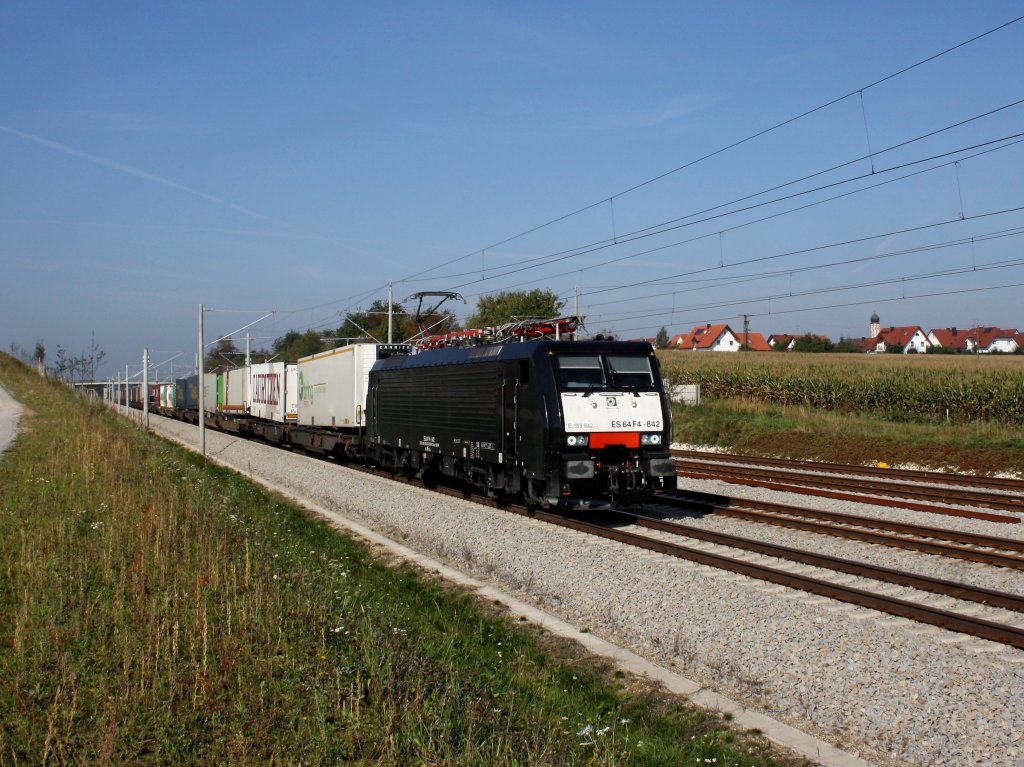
(886, 687)
(10, 415)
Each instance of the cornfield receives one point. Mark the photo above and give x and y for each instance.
(897, 387)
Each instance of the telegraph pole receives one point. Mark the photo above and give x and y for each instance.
(390, 313)
(202, 389)
(145, 387)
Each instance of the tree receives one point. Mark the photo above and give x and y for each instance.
(372, 324)
(39, 356)
(811, 343)
(94, 357)
(223, 354)
(500, 308)
(63, 365)
(661, 340)
(293, 345)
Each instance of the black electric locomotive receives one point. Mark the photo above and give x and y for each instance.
(567, 424)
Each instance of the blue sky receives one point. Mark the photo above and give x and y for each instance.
(258, 156)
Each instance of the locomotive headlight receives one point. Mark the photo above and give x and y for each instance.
(650, 439)
(576, 440)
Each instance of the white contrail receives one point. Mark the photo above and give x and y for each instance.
(128, 169)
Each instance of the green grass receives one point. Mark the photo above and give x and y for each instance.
(160, 611)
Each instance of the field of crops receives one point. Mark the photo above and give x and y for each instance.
(959, 388)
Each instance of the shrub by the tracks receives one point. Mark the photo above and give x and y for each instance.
(159, 611)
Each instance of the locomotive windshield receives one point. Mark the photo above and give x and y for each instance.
(587, 372)
(630, 371)
(580, 371)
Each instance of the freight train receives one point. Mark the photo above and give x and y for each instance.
(563, 424)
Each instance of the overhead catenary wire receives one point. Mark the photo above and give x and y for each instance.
(723, 281)
(722, 150)
(771, 216)
(816, 248)
(496, 273)
(746, 301)
(846, 304)
(683, 221)
(674, 227)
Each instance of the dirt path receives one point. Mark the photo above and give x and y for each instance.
(10, 414)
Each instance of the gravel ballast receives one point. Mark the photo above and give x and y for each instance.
(885, 687)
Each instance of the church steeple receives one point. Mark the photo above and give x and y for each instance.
(876, 328)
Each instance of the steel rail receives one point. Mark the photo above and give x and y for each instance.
(985, 629)
(856, 497)
(994, 558)
(724, 504)
(935, 477)
(878, 487)
(941, 586)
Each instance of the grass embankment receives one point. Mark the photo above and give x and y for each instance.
(751, 403)
(159, 611)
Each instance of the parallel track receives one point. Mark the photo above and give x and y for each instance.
(987, 549)
(953, 621)
(822, 487)
(893, 488)
(900, 475)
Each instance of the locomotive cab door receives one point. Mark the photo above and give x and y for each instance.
(512, 381)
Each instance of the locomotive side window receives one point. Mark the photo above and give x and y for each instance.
(580, 371)
(630, 371)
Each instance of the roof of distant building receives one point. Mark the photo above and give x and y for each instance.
(755, 342)
(701, 337)
(899, 336)
(951, 338)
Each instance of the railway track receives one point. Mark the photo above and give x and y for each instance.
(864, 491)
(1008, 484)
(611, 527)
(802, 475)
(1003, 632)
(986, 549)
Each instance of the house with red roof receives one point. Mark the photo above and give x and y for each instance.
(908, 338)
(949, 338)
(754, 342)
(785, 340)
(706, 338)
(988, 340)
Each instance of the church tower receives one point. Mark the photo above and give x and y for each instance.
(876, 328)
